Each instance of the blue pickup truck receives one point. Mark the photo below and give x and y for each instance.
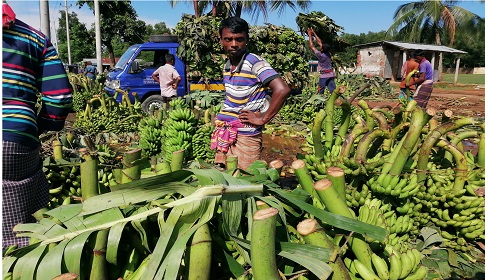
(133, 71)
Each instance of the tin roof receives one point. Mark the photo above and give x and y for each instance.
(413, 46)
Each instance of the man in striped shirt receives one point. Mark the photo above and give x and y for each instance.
(247, 78)
(30, 68)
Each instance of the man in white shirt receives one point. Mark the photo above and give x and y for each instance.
(168, 78)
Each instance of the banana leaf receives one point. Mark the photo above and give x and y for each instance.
(335, 220)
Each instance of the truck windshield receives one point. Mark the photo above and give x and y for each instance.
(125, 57)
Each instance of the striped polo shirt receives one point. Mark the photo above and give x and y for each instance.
(246, 89)
(31, 67)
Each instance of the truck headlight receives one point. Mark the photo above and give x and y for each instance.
(115, 84)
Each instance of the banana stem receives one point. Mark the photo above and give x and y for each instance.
(177, 160)
(400, 156)
(349, 141)
(388, 143)
(344, 122)
(231, 162)
(431, 139)
(317, 134)
(99, 265)
(57, 149)
(89, 178)
(365, 142)
(457, 139)
(163, 168)
(199, 255)
(329, 110)
(277, 164)
(304, 177)
(131, 170)
(333, 203)
(337, 176)
(369, 120)
(263, 243)
(314, 234)
(461, 164)
(481, 148)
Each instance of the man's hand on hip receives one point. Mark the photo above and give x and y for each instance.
(254, 118)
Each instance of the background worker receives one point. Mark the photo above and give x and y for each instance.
(247, 79)
(168, 78)
(30, 66)
(327, 75)
(90, 71)
(424, 81)
(408, 66)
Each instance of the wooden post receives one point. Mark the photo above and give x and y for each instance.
(456, 70)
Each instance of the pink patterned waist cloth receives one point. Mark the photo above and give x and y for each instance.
(225, 134)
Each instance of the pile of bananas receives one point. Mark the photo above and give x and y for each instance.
(104, 114)
(83, 90)
(151, 137)
(393, 267)
(178, 131)
(201, 143)
(64, 184)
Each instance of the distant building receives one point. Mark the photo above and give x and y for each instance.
(385, 58)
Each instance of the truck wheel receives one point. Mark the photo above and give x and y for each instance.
(154, 100)
(164, 38)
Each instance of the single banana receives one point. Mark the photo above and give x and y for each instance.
(365, 272)
(406, 265)
(395, 267)
(419, 274)
(380, 266)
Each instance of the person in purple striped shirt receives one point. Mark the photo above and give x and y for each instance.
(30, 69)
(327, 75)
(247, 79)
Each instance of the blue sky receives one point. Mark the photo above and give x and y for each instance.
(354, 16)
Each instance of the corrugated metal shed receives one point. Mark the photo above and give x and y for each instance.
(414, 46)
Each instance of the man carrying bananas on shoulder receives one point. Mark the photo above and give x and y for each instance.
(247, 79)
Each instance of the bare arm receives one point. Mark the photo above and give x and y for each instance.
(177, 82)
(155, 77)
(310, 39)
(280, 93)
(418, 81)
(319, 42)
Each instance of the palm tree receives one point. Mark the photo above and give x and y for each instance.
(427, 21)
(227, 8)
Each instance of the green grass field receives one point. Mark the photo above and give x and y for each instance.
(473, 79)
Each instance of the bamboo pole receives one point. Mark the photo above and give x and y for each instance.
(312, 233)
(198, 256)
(263, 243)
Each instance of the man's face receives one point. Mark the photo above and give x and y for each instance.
(234, 44)
(419, 58)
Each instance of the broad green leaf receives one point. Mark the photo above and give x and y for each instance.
(209, 177)
(235, 268)
(430, 236)
(100, 218)
(139, 226)
(114, 239)
(134, 194)
(314, 258)
(176, 176)
(7, 263)
(26, 266)
(51, 264)
(335, 220)
(68, 215)
(232, 210)
(74, 251)
(452, 258)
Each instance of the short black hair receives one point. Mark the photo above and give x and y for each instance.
(169, 57)
(418, 53)
(235, 24)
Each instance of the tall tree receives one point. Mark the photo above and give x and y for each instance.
(157, 28)
(428, 21)
(227, 8)
(118, 20)
(81, 40)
